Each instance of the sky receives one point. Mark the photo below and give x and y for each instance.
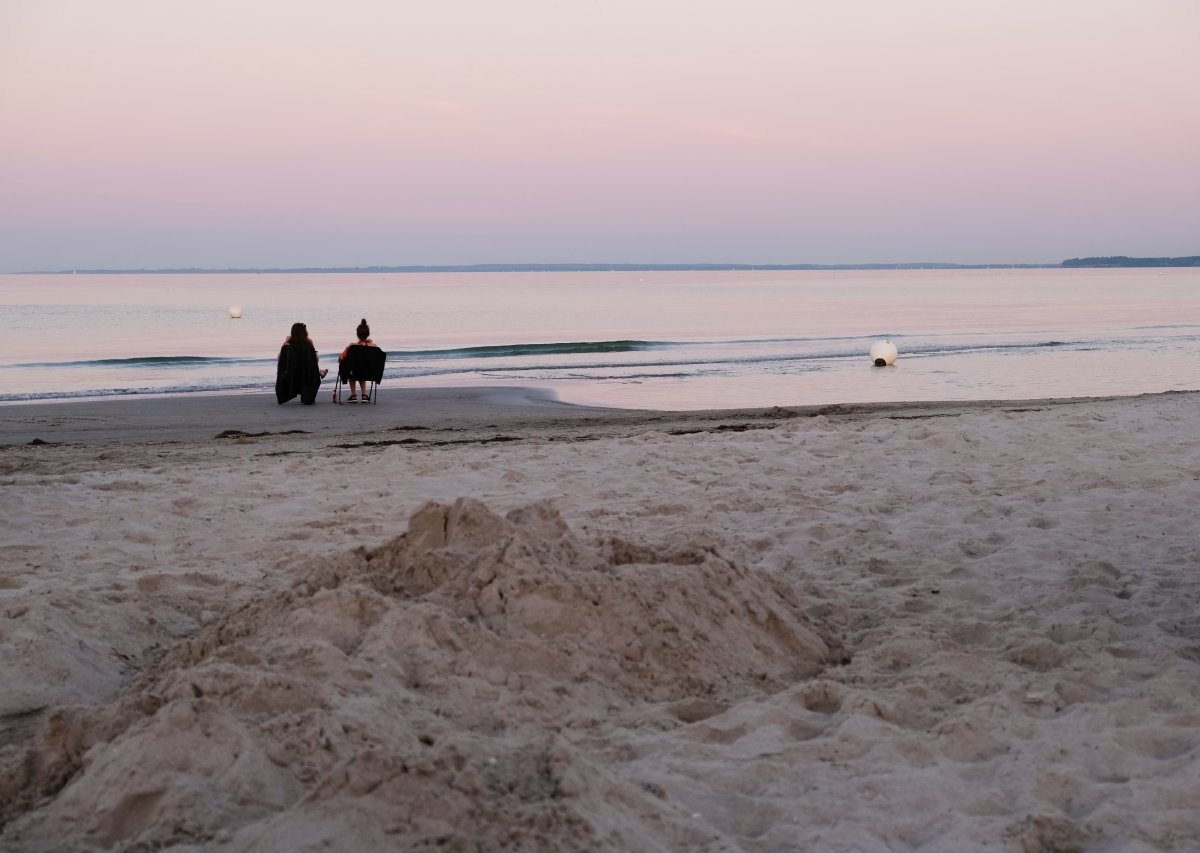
(286, 133)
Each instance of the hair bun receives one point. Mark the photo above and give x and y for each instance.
(364, 321)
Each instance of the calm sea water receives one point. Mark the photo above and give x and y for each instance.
(662, 340)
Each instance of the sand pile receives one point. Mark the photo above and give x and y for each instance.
(458, 686)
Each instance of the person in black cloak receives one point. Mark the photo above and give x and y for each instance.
(298, 373)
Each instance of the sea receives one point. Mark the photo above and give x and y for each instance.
(659, 340)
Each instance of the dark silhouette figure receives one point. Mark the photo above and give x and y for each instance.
(298, 373)
(361, 361)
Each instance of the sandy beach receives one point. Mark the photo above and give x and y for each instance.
(479, 619)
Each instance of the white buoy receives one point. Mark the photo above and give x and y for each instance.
(883, 353)
(235, 311)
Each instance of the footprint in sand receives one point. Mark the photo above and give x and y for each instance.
(150, 583)
(1157, 744)
(1098, 573)
(985, 547)
(1188, 629)
(821, 697)
(975, 633)
(1069, 633)
(1038, 655)
(968, 742)
(120, 486)
(1191, 653)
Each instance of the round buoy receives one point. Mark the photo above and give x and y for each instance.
(883, 353)
(235, 311)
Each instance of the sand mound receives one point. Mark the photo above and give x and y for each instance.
(442, 689)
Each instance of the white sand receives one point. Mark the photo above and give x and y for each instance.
(941, 628)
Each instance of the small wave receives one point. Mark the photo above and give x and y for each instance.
(511, 350)
(1168, 326)
(651, 376)
(947, 349)
(168, 391)
(151, 361)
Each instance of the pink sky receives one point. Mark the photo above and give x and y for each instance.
(299, 133)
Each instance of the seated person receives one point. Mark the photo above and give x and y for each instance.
(364, 340)
(297, 372)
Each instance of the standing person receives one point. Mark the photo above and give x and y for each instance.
(364, 340)
(297, 372)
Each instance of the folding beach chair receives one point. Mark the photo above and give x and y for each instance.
(362, 364)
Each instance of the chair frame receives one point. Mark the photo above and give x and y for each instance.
(343, 373)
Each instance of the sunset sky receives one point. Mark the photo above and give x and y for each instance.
(164, 133)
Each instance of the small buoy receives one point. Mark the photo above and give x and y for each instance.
(235, 311)
(883, 353)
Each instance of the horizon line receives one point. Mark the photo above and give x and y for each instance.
(1094, 261)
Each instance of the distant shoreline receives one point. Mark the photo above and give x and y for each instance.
(1071, 263)
(494, 268)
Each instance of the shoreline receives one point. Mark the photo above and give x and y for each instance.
(443, 409)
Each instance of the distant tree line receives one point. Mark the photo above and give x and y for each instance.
(1123, 261)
